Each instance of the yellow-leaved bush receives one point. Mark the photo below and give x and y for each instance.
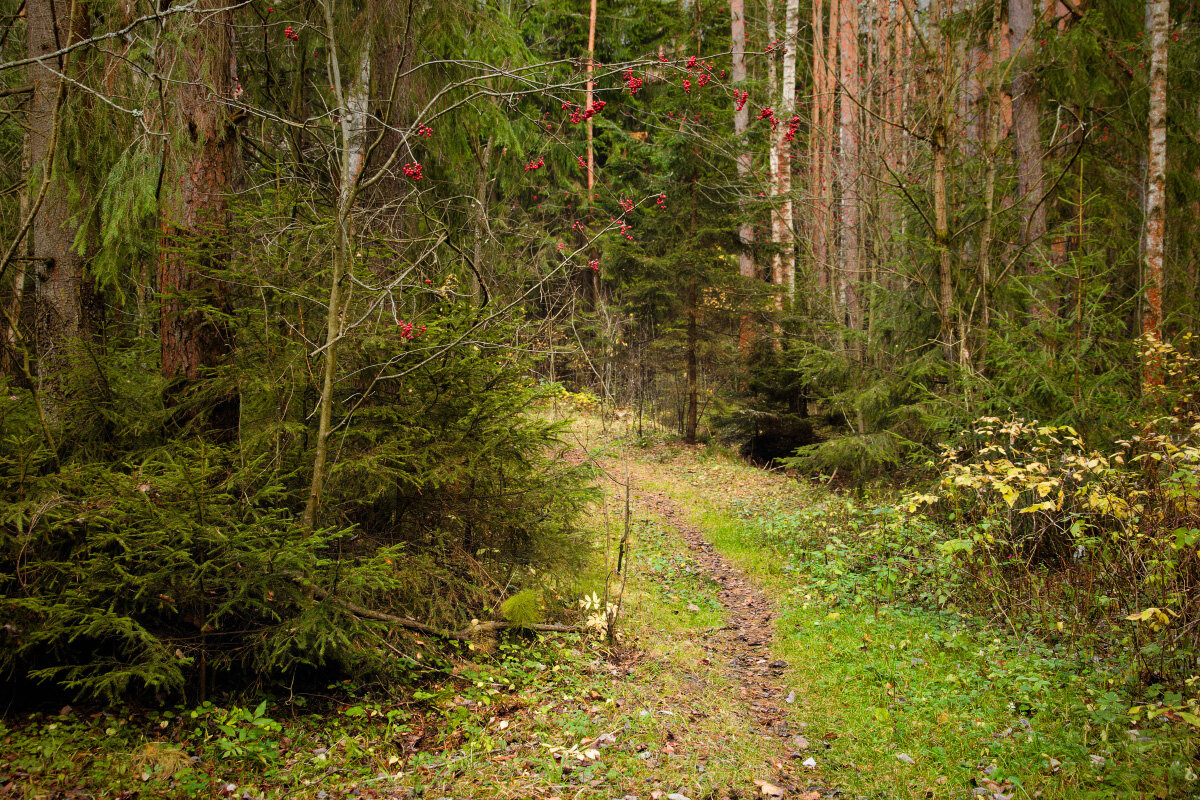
(1082, 539)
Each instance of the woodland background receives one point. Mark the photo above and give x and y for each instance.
(285, 287)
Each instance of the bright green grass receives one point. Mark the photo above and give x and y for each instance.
(876, 680)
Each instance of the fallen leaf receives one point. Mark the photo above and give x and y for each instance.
(905, 757)
(810, 796)
(768, 788)
(791, 698)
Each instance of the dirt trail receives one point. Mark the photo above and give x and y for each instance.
(742, 648)
(743, 645)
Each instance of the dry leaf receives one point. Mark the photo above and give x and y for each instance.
(768, 788)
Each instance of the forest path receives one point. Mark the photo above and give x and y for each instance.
(737, 655)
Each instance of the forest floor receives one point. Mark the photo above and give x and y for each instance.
(738, 675)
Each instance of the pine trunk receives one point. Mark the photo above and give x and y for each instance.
(1030, 171)
(198, 183)
(828, 130)
(849, 172)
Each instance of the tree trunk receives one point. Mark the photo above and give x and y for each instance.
(849, 173)
(1154, 232)
(784, 261)
(693, 391)
(352, 152)
(1030, 173)
(816, 174)
(61, 293)
(828, 128)
(198, 182)
(741, 121)
(991, 121)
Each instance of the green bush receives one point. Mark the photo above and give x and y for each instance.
(163, 557)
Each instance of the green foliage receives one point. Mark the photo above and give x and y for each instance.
(523, 608)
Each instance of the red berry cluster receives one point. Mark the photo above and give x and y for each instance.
(768, 114)
(740, 99)
(687, 85)
(791, 134)
(625, 228)
(633, 83)
(579, 160)
(413, 171)
(562, 246)
(577, 225)
(579, 115)
(662, 201)
(291, 34)
(424, 130)
(703, 79)
(594, 264)
(533, 166)
(409, 331)
(625, 204)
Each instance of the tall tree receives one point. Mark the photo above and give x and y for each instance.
(198, 184)
(1031, 182)
(62, 294)
(849, 168)
(352, 99)
(1154, 231)
(741, 122)
(784, 261)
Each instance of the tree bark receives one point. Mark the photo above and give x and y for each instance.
(741, 121)
(828, 128)
(784, 261)
(352, 148)
(198, 182)
(693, 389)
(1154, 231)
(1031, 183)
(61, 292)
(849, 173)
(816, 173)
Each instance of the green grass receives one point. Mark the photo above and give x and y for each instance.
(973, 706)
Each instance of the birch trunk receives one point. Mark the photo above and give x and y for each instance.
(352, 153)
(1154, 231)
(741, 121)
(784, 262)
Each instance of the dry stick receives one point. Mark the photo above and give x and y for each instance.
(623, 551)
(464, 635)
